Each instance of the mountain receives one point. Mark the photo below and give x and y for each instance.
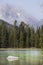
(10, 13)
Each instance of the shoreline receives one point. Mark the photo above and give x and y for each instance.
(19, 49)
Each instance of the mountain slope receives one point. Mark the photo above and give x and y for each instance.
(7, 24)
(10, 13)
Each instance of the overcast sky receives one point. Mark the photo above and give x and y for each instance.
(32, 7)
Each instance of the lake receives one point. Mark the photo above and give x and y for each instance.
(25, 57)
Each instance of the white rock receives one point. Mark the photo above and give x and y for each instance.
(12, 58)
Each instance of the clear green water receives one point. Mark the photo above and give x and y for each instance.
(26, 57)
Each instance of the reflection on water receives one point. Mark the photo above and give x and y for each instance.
(26, 57)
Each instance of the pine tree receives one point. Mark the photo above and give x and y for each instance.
(16, 34)
(38, 37)
(28, 36)
(0, 34)
(3, 35)
(32, 37)
(21, 27)
(41, 39)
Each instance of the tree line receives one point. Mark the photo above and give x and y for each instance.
(20, 36)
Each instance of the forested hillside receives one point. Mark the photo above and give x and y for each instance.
(22, 36)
